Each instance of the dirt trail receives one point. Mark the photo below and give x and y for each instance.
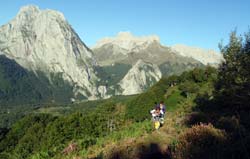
(170, 130)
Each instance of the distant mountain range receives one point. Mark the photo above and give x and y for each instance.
(207, 57)
(148, 54)
(127, 48)
(43, 55)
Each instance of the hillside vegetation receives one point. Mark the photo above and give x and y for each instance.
(207, 117)
(110, 121)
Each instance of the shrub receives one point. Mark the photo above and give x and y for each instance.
(229, 124)
(188, 88)
(200, 141)
(196, 118)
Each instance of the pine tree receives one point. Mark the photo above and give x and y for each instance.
(233, 85)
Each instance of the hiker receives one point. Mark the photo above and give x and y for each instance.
(153, 111)
(157, 117)
(156, 112)
(163, 107)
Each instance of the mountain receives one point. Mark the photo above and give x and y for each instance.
(204, 56)
(127, 48)
(123, 52)
(140, 77)
(121, 48)
(43, 41)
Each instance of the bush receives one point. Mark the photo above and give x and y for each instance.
(200, 141)
(229, 124)
(196, 118)
(188, 88)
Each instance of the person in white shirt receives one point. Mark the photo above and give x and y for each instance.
(157, 112)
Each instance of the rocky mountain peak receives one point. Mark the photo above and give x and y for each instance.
(28, 15)
(42, 40)
(128, 41)
(28, 10)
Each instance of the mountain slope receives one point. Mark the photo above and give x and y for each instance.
(19, 86)
(204, 56)
(140, 77)
(43, 41)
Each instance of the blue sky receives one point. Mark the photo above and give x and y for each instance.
(202, 23)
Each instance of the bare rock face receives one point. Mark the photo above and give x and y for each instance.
(204, 56)
(140, 77)
(42, 40)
